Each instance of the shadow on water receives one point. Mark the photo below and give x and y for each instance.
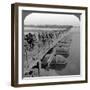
(58, 66)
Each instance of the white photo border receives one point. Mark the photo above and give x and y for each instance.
(34, 80)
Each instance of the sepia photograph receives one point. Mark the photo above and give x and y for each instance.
(49, 44)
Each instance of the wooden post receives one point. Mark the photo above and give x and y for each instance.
(39, 67)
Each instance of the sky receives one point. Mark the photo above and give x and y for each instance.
(51, 19)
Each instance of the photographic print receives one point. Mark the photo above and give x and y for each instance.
(51, 44)
(49, 48)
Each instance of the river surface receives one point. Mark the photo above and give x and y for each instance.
(73, 65)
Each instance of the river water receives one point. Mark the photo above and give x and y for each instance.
(73, 65)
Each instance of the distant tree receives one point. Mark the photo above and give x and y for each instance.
(29, 38)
